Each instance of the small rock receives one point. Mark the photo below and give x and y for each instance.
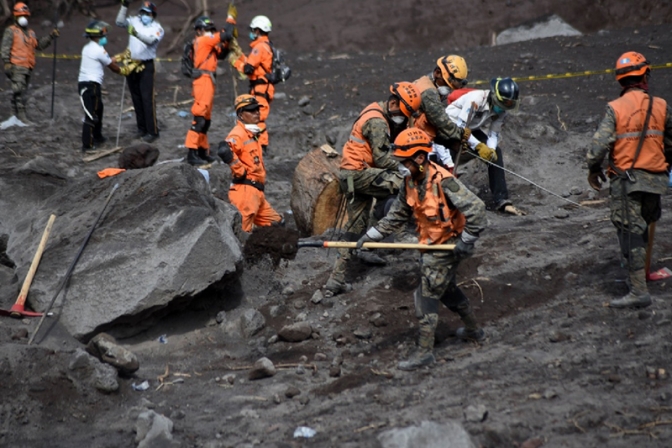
(263, 368)
(297, 332)
(549, 394)
(377, 320)
(304, 400)
(575, 191)
(276, 310)
(229, 378)
(105, 347)
(221, 317)
(299, 304)
(300, 369)
(320, 357)
(276, 399)
(335, 371)
(476, 414)
(363, 333)
(252, 322)
(292, 392)
(561, 214)
(304, 101)
(21, 333)
(317, 297)
(301, 317)
(331, 137)
(279, 96)
(273, 339)
(558, 336)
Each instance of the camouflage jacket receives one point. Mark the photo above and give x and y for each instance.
(8, 40)
(603, 143)
(377, 134)
(457, 195)
(435, 111)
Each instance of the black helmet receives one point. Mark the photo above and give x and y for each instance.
(504, 93)
(96, 28)
(205, 23)
(149, 8)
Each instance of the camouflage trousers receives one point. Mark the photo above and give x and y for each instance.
(633, 212)
(19, 78)
(365, 186)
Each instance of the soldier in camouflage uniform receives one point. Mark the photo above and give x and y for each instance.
(445, 212)
(18, 54)
(636, 132)
(368, 171)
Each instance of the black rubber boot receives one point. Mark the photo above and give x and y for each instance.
(423, 355)
(193, 159)
(203, 154)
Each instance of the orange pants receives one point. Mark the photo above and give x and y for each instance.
(260, 92)
(203, 91)
(253, 206)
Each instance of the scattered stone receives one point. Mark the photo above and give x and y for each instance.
(263, 368)
(280, 96)
(152, 430)
(363, 333)
(558, 336)
(252, 322)
(377, 320)
(276, 399)
(229, 378)
(221, 317)
(300, 369)
(335, 371)
(476, 413)
(304, 399)
(106, 378)
(317, 297)
(288, 290)
(301, 317)
(276, 310)
(297, 332)
(105, 347)
(320, 357)
(575, 191)
(299, 304)
(549, 394)
(428, 435)
(561, 214)
(273, 339)
(304, 100)
(292, 392)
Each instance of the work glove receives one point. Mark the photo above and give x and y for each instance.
(224, 152)
(596, 177)
(133, 66)
(54, 33)
(486, 153)
(8, 67)
(464, 247)
(125, 3)
(466, 133)
(371, 235)
(120, 57)
(131, 30)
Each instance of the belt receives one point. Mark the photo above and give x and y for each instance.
(258, 185)
(144, 61)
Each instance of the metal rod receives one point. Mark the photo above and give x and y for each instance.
(121, 112)
(72, 265)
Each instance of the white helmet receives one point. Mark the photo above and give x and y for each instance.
(261, 22)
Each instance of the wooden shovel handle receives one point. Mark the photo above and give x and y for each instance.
(36, 261)
(350, 245)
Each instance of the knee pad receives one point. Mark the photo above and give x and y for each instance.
(206, 126)
(198, 124)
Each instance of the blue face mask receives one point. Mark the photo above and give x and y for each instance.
(498, 110)
(102, 41)
(145, 19)
(252, 35)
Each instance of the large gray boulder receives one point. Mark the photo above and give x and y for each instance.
(163, 239)
(449, 434)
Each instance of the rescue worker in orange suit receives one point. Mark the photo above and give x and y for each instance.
(243, 153)
(636, 133)
(446, 212)
(368, 170)
(449, 74)
(18, 54)
(256, 66)
(207, 45)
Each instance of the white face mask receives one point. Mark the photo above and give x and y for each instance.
(22, 21)
(444, 90)
(398, 119)
(404, 171)
(253, 128)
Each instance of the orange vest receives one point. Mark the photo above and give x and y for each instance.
(23, 48)
(630, 111)
(421, 122)
(436, 221)
(357, 154)
(248, 151)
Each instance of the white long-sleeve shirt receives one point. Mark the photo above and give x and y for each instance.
(143, 46)
(472, 110)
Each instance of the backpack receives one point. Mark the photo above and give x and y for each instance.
(187, 65)
(280, 71)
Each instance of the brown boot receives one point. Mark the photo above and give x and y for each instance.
(423, 355)
(639, 296)
(336, 283)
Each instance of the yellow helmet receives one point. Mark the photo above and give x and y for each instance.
(453, 70)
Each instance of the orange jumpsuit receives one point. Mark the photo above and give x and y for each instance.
(206, 48)
(256, 66)
(248, 177)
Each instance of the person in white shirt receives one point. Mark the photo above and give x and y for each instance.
(91, 74)
(484, 112)
(145, 33)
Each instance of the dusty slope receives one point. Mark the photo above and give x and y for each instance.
(543, 278)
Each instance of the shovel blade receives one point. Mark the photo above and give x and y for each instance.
(660, 274)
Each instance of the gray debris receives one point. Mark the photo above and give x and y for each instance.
(251, 322)
(450, 434)
(297, 332)
(475, 413)
(263, 368)
(304, 101)
(154, 430)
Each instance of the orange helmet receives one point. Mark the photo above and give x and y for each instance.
(631, 64)
(453, 70)
(409, 142)
(409, 98)
(21, 9)
(246, 102)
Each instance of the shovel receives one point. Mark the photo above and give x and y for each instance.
(349, 245)
(660, 274)
(17, 309)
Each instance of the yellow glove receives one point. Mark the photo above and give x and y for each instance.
(131, 30)
(121, 57)
(54, 33)
(466, 133)
(486, 153)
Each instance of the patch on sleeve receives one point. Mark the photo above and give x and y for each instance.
(451, 184)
